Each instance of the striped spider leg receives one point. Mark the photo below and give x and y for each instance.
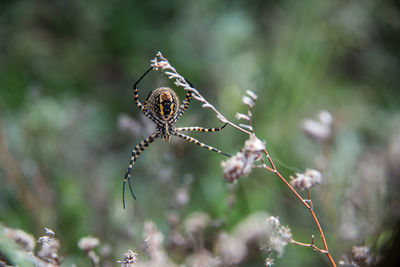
(135, 154)
(194, 141)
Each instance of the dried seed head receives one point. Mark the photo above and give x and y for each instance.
(321, 129)
(360, 253)
(129, 259)
(278, 244)
(272, 224)
(316, 130)
(242, 163)
(88, 243)
(254, 145)
(306, 180)
(49, 248)
(234, 167)
(279, 236)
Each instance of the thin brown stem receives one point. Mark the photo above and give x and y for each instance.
(308, 206)
(309, 198)
(309, 245)
(250, 121)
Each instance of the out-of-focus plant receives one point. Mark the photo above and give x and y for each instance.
(18, 248)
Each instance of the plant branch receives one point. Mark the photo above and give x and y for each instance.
(160, 62)
(304, 202)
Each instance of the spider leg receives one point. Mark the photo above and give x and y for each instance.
(192, 140)
(199, 129)
(135, 90)
(137, 102)
(183, 107)
(147, 98)
(185, 103)
(137, 150)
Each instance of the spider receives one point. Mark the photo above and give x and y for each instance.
(162, 107)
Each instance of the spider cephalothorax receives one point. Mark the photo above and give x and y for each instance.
(163, 108)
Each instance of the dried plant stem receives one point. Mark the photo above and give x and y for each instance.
(160, 62)
(311, 245)
(308, 206)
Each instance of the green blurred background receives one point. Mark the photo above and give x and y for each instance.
(66, 73)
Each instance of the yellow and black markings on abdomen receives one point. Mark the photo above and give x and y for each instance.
(163, 103)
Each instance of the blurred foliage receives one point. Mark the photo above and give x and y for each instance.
(66, 71)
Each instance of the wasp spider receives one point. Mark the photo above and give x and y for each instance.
(162, 107)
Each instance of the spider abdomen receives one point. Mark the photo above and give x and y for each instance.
(163, 103)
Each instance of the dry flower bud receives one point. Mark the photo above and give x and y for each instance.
(325, 117)
(49, 248)
(316, 130)
(158, 64)
(248, 101)
(129, 259)
(315, 175)
(241, 116)
(306, 180)
(251, 94)
(246, 126)
(88, 243)
(242, 163)
(254, 144)
(49, 231)
(206, 105)
(234, 167)
(320, 129)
